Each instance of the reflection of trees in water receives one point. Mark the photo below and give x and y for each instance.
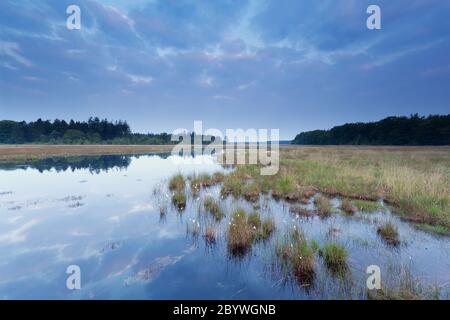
(95, 164)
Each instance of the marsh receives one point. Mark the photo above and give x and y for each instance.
(131, 242)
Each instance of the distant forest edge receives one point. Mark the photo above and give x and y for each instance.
(93, 131)
(413, 130)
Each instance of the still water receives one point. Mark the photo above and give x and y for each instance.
(104, 215)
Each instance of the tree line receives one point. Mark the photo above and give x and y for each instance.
(412, 130)
(93, 131)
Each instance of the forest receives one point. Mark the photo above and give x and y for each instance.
(93, 131)
(412, 130)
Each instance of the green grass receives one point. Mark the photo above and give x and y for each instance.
(367, 206)
(439, 230)
(297, 257)
(335, 257)
(323, 205)
(240, 234)
(177, 183)
(251, 192)
(283, 186)
(389, 232)
(213, 207)
(267, 229)
(254, 220)
(179, 200)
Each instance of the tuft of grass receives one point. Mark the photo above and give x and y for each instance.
(210, 235)
(323, 205)
(283, 186)
(251, 192)
(218, 177)
(267, 229)
(240, 234)
(335, 257)
(367, 206)
(389, 232)
(254, 220)
(297, 256)
(232, 185)
(348, 207)
(212, 206)
(179, 200)
(177, 183)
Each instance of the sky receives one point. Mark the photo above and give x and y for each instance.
(291, 65)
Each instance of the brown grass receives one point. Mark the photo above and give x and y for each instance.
(36, 152)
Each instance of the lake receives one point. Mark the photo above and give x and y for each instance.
(112, 216)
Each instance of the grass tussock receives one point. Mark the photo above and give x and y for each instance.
(179, 200)
(245, 229)
(232, 185)
(240, 234)
(323, 205)
(389, 232)
(212, 206)
(297, 257)
(348, 207)
(335, 257)
(251, 192)
(210, 235)
(177, 183)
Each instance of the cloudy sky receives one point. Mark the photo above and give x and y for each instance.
(295, 65)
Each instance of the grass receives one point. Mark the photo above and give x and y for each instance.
(283, 186)
(177, 183)
(244, 229)
(212, 207)
(267, 229)
(297, 257)
(210, 235)
(323, 205)
(415, 181)
(240, 234)
(367, 206)
(251, 192)
(405, 287)
(388, 231)
(348, 207)
(439, 230)
(19, 153)
(179, 200)
(335, 257)
(232, 185)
